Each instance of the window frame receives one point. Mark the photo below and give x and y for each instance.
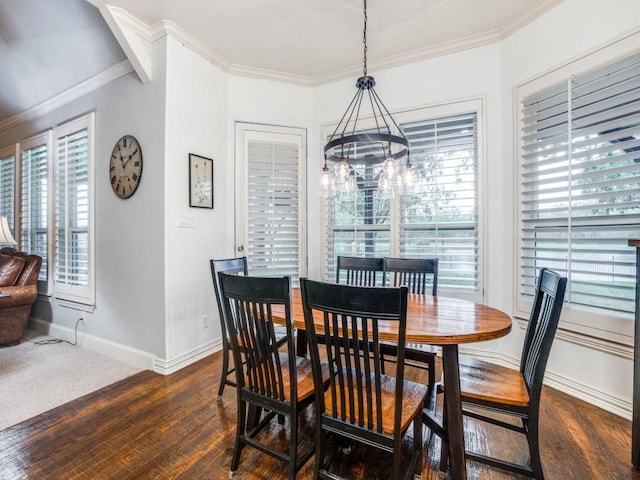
(426, 113)
(80, 299)
(244, 132)
(76, 295)
(606, 332)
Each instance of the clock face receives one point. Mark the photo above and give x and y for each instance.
(125, 166)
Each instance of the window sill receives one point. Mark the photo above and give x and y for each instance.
(89, 308)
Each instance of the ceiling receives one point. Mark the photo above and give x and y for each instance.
(52, 46)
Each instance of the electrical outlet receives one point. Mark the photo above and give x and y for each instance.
(205, 321)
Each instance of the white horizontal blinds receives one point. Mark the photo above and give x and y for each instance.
(34, 203)
(273, 208)
(358, 222)
(605, 186)
(544, 176)
(590, 201)
(7, 189)
(439, 214)
(71, 239)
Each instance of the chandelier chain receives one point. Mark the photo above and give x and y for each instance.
(364, 40)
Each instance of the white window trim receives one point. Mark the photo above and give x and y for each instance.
(71, 295)
(429, 112)
(599, 331)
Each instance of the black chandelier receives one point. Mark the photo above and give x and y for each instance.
(380, 142)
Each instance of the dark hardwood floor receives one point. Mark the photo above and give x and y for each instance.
(150, 426)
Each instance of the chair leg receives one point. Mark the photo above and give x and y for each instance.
(320, 449)
(417, 446)
(534, 449)
(225, 369)
(432, 384)
(240, 430)
(444, 448)
(293, 445)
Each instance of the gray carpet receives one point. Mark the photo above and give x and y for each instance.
(36, 378)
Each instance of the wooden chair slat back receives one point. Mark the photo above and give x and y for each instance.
(360, 271)
(415, 273)
(350, 317)
(248, 305)
(543, 323)
(236, 266)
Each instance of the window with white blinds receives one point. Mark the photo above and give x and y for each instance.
(580, 186)
(54, 174)
(272, 234)
(73, 272)
(7, 185)
(34, 199)
(437, 217)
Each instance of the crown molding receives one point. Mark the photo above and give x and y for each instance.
(166, 27)
(536, 11)
(116, 71)
(126, 22)
(414, 56)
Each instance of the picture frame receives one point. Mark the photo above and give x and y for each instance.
(200, 181)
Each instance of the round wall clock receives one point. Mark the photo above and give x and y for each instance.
(125, 166)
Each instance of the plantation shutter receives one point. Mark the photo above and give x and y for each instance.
(7, 189)
(72, 219)
(580, 184)
(273, 204)
(34, 201)
(439, 216)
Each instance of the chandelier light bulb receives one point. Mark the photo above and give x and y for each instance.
(408, 176)
(389, 167)
(343, 170)
(327, 179)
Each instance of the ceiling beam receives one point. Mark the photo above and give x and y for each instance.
(133, 37)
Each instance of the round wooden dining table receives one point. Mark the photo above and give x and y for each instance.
(435, 320)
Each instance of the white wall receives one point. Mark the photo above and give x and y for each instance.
(572, 29)
(196, 122)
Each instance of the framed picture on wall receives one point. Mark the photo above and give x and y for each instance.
(200, 181)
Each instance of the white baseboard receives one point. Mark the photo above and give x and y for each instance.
(122, 353)
(589, 394)
(167, 367)
(131, 356)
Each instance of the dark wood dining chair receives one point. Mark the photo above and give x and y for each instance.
(269, 381)
(420, 275)
(492, 388)
(363, 271)
(236, 266)
(361, 403)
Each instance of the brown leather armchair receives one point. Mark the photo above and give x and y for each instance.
(19, 278)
